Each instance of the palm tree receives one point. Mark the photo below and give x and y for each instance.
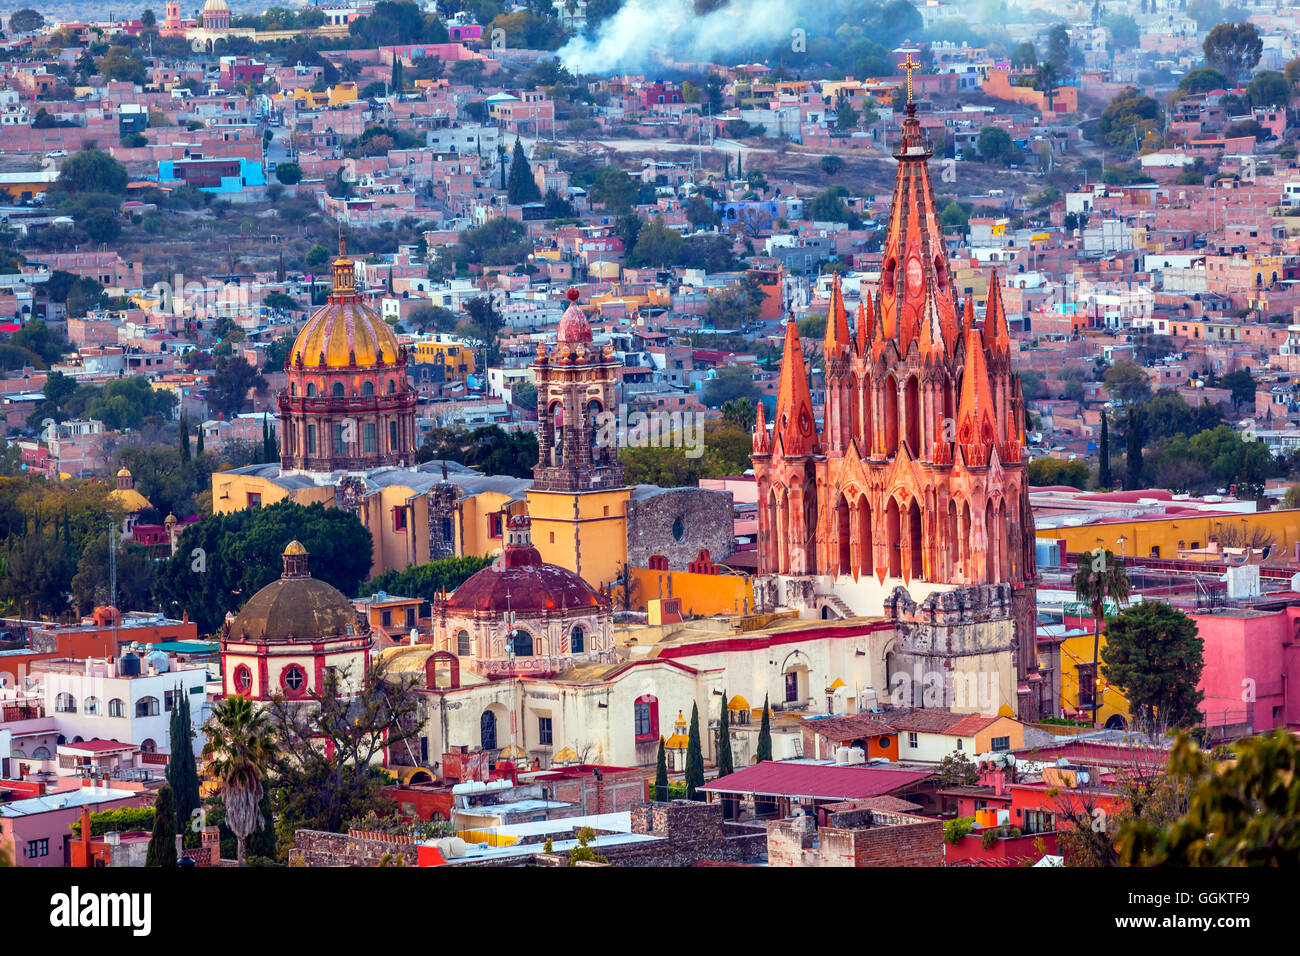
(239, 750)
(1098, 576)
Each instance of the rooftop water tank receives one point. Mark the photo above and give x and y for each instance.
(129, 666)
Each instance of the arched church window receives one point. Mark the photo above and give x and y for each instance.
(293, 389)
(367, 389)
(337, 391)
(392, 386)
(311, 389)
(487, 730)
(577, 640)
(522, 642)
(679, 528)
(462, 644)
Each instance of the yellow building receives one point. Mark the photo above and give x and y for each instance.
(1176, 537)
(584, 531)
(456, 359)
(1078, 679)
(23, 185)
(702, 595)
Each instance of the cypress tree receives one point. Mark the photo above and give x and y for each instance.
(726, 167)
(661, 774)
(398, 83)
(185, 437)
(739, 173)
(694, 756)
(181, 772)
(198, 441)
(1103, 466)
(521, 187)
(764, 751)
(162, 845)
(724, 740)
(1133, 458)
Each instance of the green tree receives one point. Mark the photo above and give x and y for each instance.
(1058, 48)
(656, 245)
(229, 384)
(1099, 578)
(958, 770)
(1268, 88)
(1242, 385)
(661, 774)
(521, 187)
(1203, 80)
(326, 774)
(1025, 56)
(994, 145)
(730, 384)
(240, 750)
(182, 775)
(289, 174)
(1233, 49)
(1128, 382)
(831, 165)
(25, 20)
(225, 559)
(91, 171)
(148, 19)
(1155, 656)
(317, 256)
(1103, 454)
(426, 581)
(162, 844)
(583, 853)
(1133, 450)
(1123, 30)
(1243, 814)
(694, 756)
(764, 749)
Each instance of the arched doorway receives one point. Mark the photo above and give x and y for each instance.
(487, 730)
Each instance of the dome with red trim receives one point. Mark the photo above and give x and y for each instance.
(520, 581)
(574, 326)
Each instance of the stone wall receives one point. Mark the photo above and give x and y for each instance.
(860, 837)
(318, 848)
(706, 524)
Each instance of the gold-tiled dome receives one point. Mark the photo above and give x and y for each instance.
(344, 331)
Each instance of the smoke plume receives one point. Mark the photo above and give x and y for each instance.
(647, 32)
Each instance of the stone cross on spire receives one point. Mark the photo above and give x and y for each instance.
(909, 65)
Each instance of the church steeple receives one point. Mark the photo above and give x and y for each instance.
(915, 261)
(796, 428)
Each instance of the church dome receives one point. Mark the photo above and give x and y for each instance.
(345, 332)
(520, 581)
(296, 607)
(216, 6)
(574, 326)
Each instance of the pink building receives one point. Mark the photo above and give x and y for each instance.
(1249, 659)
(35, 831)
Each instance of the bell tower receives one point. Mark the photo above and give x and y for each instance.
(577, 442)
(578, 501)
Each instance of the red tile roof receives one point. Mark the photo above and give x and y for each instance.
(816, 781)
(925, 721)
